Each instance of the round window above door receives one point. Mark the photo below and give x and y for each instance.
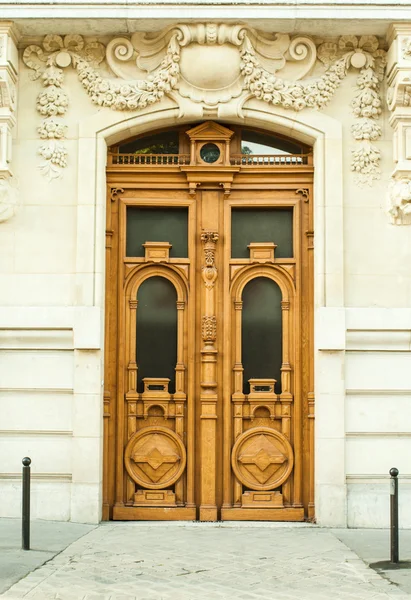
(210, 153)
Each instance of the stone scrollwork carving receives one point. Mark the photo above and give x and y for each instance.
(182, 60)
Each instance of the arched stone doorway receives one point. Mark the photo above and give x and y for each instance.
(211, 393)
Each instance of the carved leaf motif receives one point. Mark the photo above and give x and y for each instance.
(74, 42)
(348, 42)
(369, 43)
(52, 43)
(94, 53)
(209, 328)
(55, 158)
(327, 53)
(399, 201)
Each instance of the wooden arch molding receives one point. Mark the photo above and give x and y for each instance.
(140, 273)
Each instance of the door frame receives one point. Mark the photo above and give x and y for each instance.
(324, 133)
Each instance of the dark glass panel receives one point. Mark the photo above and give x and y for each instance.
(210, 153)
(254, 142)
(261, 225)
(261, 337)
(156, 344)
(157, 143)
(157, 225)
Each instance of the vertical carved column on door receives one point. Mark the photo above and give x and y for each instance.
(180, 395)
(238, 396)
(208, 394)
(311, 396)
(110, 353)
(286, 397)
(131, 395)
(107, 397)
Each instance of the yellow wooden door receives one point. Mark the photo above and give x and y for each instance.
(208, 367)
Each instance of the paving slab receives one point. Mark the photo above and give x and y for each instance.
(48, 538)
(166, 561)
(373, 546)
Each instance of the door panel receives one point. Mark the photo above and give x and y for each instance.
(209, 375)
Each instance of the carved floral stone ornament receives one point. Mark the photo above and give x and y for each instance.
(9, 198)
(180, 62)
(399, 201)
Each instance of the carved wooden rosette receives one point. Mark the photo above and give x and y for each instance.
(208, 384)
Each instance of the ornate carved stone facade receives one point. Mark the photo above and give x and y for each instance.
(179, 62)
(340, 86)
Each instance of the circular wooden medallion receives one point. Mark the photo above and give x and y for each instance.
(155, 457)
(262, 458)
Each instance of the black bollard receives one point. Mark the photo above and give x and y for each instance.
(25, 530)
(394, 515)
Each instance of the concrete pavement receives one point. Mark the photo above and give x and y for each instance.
(193, 561)
(48, 538)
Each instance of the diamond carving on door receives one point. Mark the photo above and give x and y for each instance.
(209, 328)
(155, 457)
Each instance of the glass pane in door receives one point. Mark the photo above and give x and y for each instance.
(262, 225)
(261, 332)
(156, 339)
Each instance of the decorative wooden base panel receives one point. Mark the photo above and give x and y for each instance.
(266, 514)
(208, 514)
(311, 512)
(133, 513)
(105, 515)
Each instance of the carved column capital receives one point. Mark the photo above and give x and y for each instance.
(399, 104)
(209, 239)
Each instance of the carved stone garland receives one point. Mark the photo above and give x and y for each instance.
(52, 103)
(260, 58)
(363, 54)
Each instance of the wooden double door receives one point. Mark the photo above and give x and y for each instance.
(208, 365)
